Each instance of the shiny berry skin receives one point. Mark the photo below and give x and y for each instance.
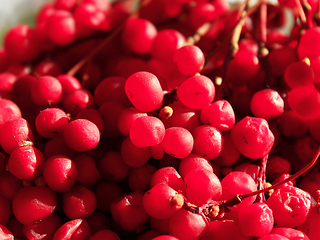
(186, 225)
(238, 182)
(51, 122)
(208, 141)
(256, 220)
(273, 104)
(170, 177)
(81, 135)
(73, 229)
(162, 201)
(26, 162)
(138, 35)
(60, 27)
(9, 111)
(290, 206)
(43, 230)
(32, 204)
(77, 100)
(5, 233)
(252, 137)
(47, 91)
(219, 114)
(196, 92)
(166, 43)
(79, 202)
(189, 59)
(20, 44)
(177, 142)
(60, 173)
(127, 210)
(202, 186)
(147, 131)
(144, 91)
(13, 133)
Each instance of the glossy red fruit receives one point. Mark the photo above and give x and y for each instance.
(189, 59)
(256, 220)
(46, 91)
(74, 229)
(127, 210)
(43, 230)
(202, 186)
(60, 173)
(290, 206)
(162, 201)
(147, 131)
(5, 233)
(51, 122)
(252, 137)
(196, 92)
(9, 111)
(79, 202)
(178, 142)
(138, 35)
(13, 133)
(20, 44)
(26, 162)
(32, 204)
(144, 91)
(81, 135)
(186, 225)
(61, 28)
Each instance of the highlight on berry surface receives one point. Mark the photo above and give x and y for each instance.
(158, 119)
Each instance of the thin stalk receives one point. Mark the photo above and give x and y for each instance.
(248, 12)
(262, 178)
(294, 176)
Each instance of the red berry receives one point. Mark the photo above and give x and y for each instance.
(81, 135)
(252, 137)
(60, 173)
(33, 204)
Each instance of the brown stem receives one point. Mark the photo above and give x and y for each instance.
(263, 22)
(262, 178)
(294, 176)
(248, 12)
(307, 8)
(317, 14)
(301, 12)
(201, 31)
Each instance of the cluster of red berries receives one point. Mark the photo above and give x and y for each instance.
(161, 119)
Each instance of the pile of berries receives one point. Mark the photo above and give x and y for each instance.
(161, 119)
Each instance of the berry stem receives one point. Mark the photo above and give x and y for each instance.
(262, 178)
(263, 22)
(234, 47)
(301, 13)
(227, 37)
(201, 31)
(294, 176)
(306, 7)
